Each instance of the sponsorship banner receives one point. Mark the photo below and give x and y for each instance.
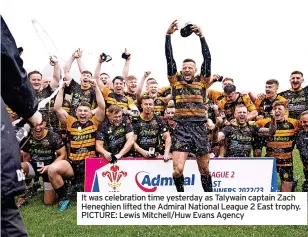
(135, 175)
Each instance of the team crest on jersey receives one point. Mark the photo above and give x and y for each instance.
(285, 125)
(45, 143)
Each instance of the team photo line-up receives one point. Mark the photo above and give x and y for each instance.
(116, 118)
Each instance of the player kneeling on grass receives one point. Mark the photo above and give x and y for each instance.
(116, 133)
(81, 132)
(43, 149)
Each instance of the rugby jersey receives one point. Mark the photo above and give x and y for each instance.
(43, 150)
(149, 132)
(189, 98)
(264, 105)
(215, 96)
(164, 91)
(298, 101)
(74, 94)
(115, 99)
(114, 137)
(229, 108)
(239, 139)
(81, 137)
(281, 145)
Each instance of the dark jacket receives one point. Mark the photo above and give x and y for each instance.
(18, 94)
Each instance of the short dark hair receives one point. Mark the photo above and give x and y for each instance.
(145, 97)
(34, 72)
(114, 109)
(272, 81)
(118, 78)
(189, 60)
(229, 88)
(240, 106)
(104, 73)
(303, 113)
(228, 79)
(153, 82)
(297, 72)
(279, 103)
(84, 103)
(87, 72)
(170, 106)
(150, 79)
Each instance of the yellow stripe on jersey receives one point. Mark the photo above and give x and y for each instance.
(285, 133)
(279, 155)
(214, 95)
(82, 140)
(78, 144)
(276, 144)
(189, 112)
(82, 156)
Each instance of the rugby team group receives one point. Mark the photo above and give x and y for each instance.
(116, 118)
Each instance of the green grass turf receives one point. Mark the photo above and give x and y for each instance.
(46, 221)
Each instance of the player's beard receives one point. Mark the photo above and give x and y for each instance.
(296, 85)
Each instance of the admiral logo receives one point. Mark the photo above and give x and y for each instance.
(114, 176)
(148, 183)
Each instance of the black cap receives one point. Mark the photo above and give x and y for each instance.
(125, 56)
(186, 31)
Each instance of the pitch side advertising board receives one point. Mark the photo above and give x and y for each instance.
(155, 175)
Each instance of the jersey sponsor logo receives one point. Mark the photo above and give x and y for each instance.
(298, 99)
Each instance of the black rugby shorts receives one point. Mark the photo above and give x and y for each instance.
(191, 137)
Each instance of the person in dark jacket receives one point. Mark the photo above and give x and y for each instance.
(18, 94)
(302, 146)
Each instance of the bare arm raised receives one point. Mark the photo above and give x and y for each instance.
(125, 71)
(100, 110)
(98, 72)
(56, 72)
(140, 86)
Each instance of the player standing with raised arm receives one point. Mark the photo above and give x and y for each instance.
(189, 94)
